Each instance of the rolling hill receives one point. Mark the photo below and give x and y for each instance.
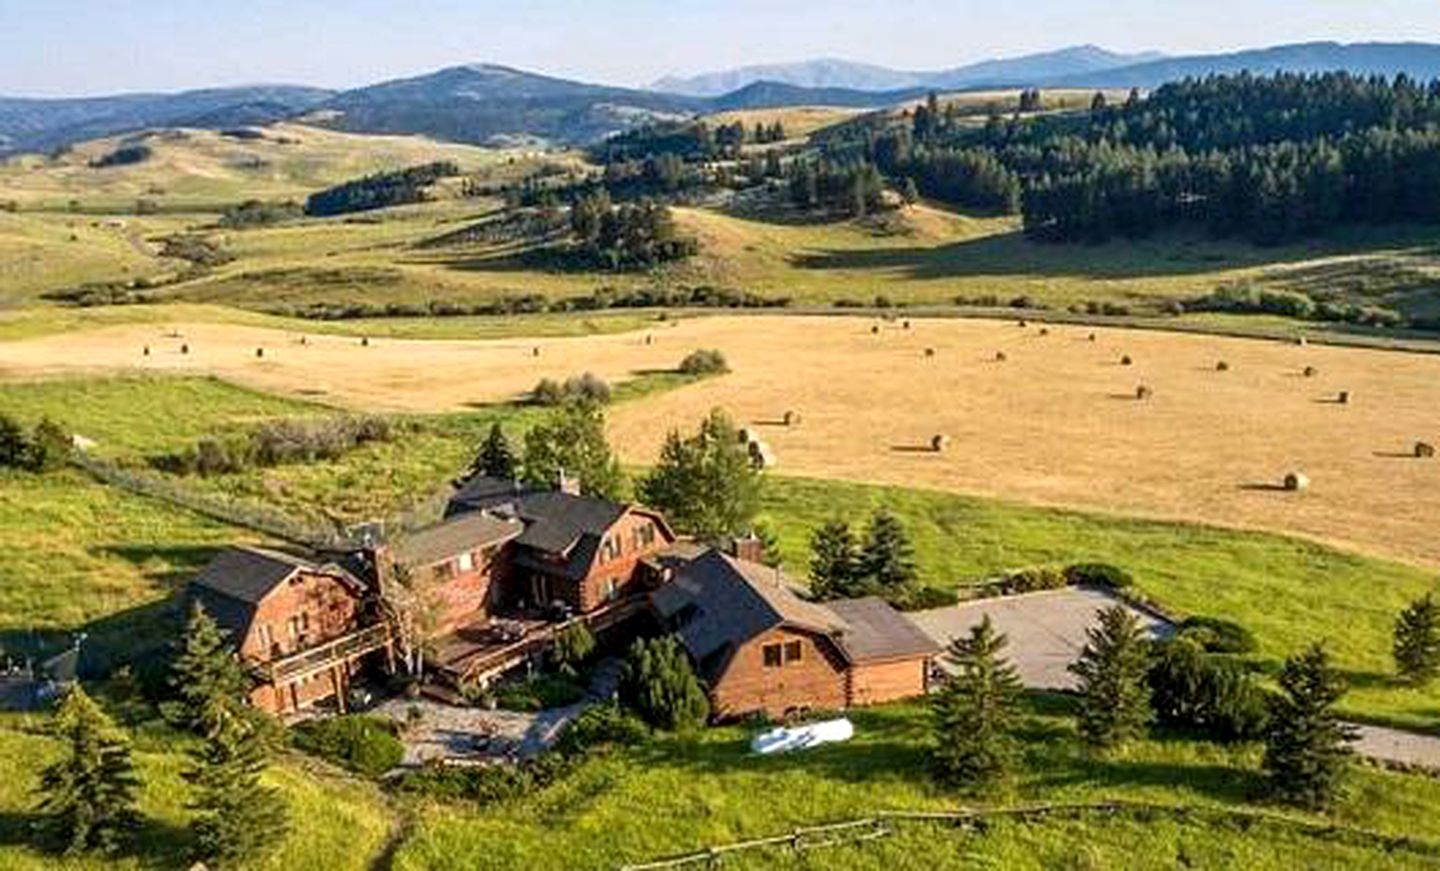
(1417, 60)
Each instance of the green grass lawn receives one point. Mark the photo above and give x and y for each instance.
(1287, 591)
(681, 795)
(336, 822)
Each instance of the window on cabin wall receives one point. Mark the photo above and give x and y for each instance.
(773, 655)
(793, 651)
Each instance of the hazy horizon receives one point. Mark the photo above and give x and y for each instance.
(169, 46)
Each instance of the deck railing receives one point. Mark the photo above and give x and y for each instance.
(323, 656)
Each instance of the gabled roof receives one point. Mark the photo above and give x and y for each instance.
(717, 603)
(237, 580)
(450, 538)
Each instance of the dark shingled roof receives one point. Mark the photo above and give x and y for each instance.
(717, 603)
(239, 578)
(460, 534)
(877, 631)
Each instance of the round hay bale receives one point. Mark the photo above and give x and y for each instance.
(146, 352)
(929, 352)
(184, 349)
(1126, 361)
(1424, 451)
(649, 339)
(364, 341)
(535, 351)
(1044, 331)
(1297, 482)
(938, 443)
(1343, 397)
(304, 340)
(1091, 338)
(1310, 372)
(875, 330)
(1000, 357)
(259, 353)
(1222, 366)
(905, 324)
(791, 418)
(1022, 324)
(1143, 392)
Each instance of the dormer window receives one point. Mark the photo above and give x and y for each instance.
(465, 562)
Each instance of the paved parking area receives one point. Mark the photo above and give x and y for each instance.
(1046, 629)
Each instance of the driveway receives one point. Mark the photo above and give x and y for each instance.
(1046, 629)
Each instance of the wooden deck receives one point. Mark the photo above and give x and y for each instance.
(324, 656)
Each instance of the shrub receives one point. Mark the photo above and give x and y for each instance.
(930, 597)
(1196, 690)
(573, 645)
(657, 682)
(547, 392)
(125, 155)
(599, 728)
(539, 693)
(578, 388)
(1215, 635)
(1033, 579)
(1098, 575)
(704, 362)
(361, 744)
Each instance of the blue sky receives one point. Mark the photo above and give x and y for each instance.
(74, 47)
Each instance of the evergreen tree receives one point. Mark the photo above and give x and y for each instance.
(496, 458)
(1115, 697)
(237, 818)
(1306, 746)
(89, 794)
(573, 441)
(909, 191)
(14, 446)
(888, 559)
(835, 571)
(706, 484)
(974, 713)
(1417, 641)
(658, 683)
(206, 675)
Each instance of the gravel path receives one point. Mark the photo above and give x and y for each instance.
(1047, 631)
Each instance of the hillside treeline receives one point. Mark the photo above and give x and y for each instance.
(1270, 159)
(380, 190)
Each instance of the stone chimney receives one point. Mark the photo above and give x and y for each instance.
(567, 484)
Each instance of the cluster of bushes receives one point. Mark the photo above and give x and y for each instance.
(125, 155)
(1245, 298)
(380, 191)
(195, 249)
(990, 300)
(258, 213)
(538, 693)
(706, 361)
(1196, 689)
(628, 236)
(597, 730)
(41, 449)
(589, 388)
(362, 744)
(277, 443)
(1033, 579)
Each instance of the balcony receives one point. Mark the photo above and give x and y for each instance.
(323, 656)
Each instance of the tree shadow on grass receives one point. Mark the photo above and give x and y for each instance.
(183, 561)
(150, 843)
(139, 637)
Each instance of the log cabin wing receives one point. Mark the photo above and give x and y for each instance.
(763, 648)
(458, 562)
(300, 626)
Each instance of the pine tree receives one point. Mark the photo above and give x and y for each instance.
(835, 570)
(974, 713)
(1417, 641)
(236, 816)
(706, 485)
(89, 794)
(1115, 697)
(888, 559)
(657, 682)
(1306, 747)
(206, 675)
(496, 458)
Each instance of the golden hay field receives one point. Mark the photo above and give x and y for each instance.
(1057, 423)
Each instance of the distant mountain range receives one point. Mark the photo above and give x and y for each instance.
(485, 103)
(833, 73)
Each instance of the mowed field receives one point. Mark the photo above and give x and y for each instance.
(1057, 423)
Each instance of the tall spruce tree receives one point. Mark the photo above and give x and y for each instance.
(205, 675)
(1114, 694)
(657, 682)
(888, 559)
(975, 712)
(706, 484)
(1307, 748)
(237, 818)
(89, 794)
(1417, 641)
(835, 571)
(496, 458)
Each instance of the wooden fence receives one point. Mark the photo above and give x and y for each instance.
(884, 823)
